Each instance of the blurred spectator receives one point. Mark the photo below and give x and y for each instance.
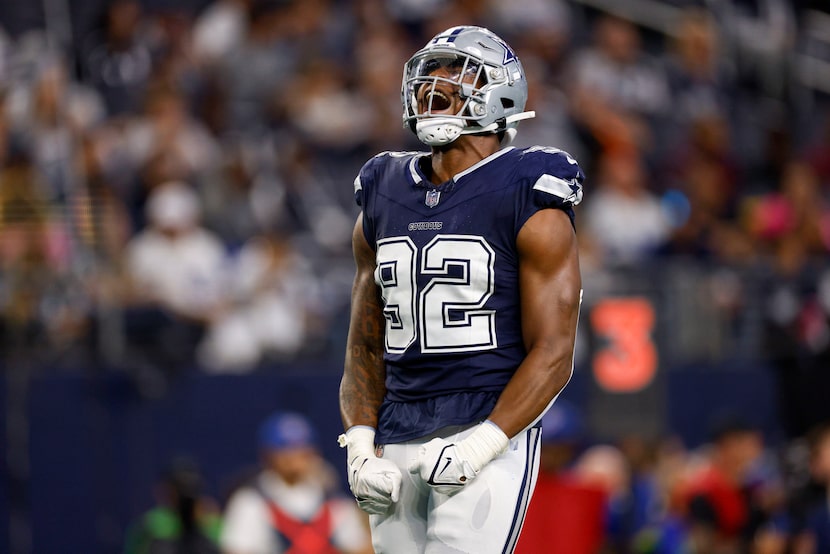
(220, 28)
(818, 151)
(606, 467)
(617, 90)
(168, 128)
(553, 123)
(44, 305)
(815, 536)
(708, 141)
(666, 530)
(726, 509)
(99, 211)
(623, 219)
(797, 210)
(646, 502)
(292, 505)
(380, 53)
(316, 200)
(271, 311)
(777, 151)
(616, 69)
(184, 521)
(563, 437)
(700, 75)
(253, 72)
(102, 229)
(705, 174)
(117, 58)
(793, 224)
(177, 271)
(320, 106)
(245, 195)
(539, 29)
(761, 36)
(176, 64)
(50, 113)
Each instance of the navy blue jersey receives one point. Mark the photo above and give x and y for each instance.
(447, 268)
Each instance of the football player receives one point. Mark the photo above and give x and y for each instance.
(464, 307)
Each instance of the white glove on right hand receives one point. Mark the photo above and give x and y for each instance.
(374, 482)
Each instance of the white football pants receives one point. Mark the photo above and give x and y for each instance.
(484, 517)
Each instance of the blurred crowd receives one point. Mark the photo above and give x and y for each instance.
(288, 501)
(733, 494)
(176, 183)
(176, 190)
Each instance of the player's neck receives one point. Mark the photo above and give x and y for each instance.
(460, 155)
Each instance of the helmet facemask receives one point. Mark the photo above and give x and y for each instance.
(443, 93)
(469, 85)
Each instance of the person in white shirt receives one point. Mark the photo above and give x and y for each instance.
(623, 218)
(292, 505)
(175, 262)
(176, 270)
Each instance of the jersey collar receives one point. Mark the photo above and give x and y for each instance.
(483, 162)
(415, 170)
(418, 178)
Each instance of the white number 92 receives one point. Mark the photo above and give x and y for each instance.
(447, 314)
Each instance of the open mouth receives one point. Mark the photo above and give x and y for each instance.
(437, 100)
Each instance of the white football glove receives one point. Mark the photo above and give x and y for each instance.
(375, 482)
(447, 467)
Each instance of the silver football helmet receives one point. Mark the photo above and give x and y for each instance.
(478, 68)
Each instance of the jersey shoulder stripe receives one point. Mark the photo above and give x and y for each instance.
(553, 174)
(568, 191)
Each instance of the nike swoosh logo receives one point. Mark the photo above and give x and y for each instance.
(446, 465)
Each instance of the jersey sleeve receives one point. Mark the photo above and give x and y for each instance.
(365, 179)
(550, 178)
(364, 189)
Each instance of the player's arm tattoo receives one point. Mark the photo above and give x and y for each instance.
(364, 376)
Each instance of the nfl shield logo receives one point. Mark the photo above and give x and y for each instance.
(433, 196)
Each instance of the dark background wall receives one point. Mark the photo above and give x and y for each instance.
(97, 446)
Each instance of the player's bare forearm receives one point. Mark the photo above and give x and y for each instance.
(550, 288)
(363, 384)
(542, 375)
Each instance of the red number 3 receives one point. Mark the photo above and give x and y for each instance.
(628, 363)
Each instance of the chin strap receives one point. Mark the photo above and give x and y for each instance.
(496, 126)
(438, 131)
